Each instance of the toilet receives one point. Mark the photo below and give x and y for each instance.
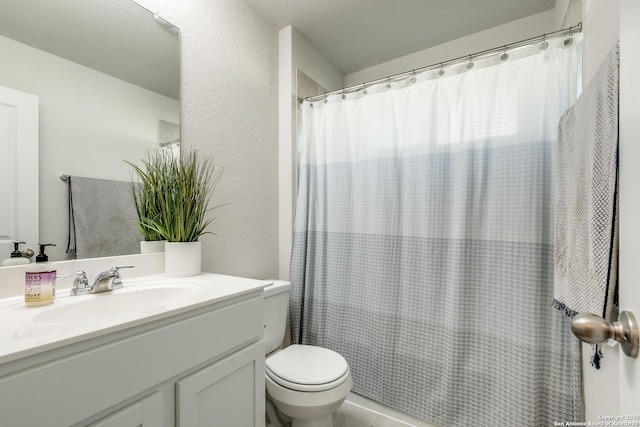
(304, 383)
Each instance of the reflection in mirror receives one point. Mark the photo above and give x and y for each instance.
(106, 75)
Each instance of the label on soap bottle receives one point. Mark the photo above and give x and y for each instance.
(40, 286)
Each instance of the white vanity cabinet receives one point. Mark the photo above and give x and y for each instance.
(202, 367)
(146, 413)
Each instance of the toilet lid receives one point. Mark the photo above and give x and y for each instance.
(307, 365)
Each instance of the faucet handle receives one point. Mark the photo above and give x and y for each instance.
(117, 281)
(80, 282)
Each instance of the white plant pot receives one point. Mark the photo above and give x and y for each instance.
(182, 259)
(149, 247)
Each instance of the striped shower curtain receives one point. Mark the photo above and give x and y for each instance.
(423, 241)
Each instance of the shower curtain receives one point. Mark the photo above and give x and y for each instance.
(423, 241)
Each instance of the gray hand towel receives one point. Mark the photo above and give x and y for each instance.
(102, 218)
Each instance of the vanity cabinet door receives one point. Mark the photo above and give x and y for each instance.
(227, 393)
(145, 413)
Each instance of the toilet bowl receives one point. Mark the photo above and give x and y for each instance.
(307, 384)
(304, 383)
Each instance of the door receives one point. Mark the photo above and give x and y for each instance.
(629, 273)
(18, 170)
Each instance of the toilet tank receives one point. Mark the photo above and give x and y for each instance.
(276, 310)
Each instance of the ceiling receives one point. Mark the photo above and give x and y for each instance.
(116, 37)
(357, 34)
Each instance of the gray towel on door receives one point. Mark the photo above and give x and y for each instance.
(102, 218)
(586, 229)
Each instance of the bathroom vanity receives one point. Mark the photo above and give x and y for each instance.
(159, 352)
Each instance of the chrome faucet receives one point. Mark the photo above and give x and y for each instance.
(104, 282)
(108, 280)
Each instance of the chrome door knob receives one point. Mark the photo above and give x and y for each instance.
(595, 330)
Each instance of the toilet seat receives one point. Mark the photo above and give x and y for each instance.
(307, 387)
(307, 368)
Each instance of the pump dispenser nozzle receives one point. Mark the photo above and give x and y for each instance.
(16, 250)
(42, 257)
(16, 258)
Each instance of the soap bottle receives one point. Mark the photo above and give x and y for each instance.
(40, 280)
(16, 256)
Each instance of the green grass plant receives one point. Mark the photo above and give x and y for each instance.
(175, 195)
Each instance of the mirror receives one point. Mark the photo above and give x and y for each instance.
(107, 77)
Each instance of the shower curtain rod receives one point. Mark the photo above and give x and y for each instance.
(478, 55)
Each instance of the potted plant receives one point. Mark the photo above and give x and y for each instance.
(147, 193)
(185, 187)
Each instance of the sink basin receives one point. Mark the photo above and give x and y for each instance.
(114, 303)
(136, 297)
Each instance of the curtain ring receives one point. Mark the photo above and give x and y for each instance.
(544, 43)
(569, 39)
(470, 64)
(504, 55)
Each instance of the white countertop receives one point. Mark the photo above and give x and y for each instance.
(25, 331)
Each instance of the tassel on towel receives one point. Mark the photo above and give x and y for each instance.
(597, 355)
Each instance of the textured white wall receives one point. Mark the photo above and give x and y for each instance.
(229, 63)
(89, 123)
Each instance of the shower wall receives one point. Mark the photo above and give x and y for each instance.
(306, 86)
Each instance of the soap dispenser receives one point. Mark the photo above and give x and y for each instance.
(16, 256)
(40, 280)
